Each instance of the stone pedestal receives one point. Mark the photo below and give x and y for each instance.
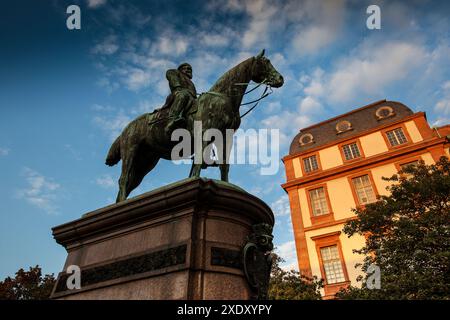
(181, 241)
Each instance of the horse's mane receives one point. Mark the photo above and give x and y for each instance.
(240, 71)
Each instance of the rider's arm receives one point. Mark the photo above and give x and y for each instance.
(173, 77)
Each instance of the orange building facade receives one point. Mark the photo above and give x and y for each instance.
(337, 165)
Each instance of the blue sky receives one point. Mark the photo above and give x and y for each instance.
(65, 95)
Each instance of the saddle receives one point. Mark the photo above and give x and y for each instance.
(162, 113)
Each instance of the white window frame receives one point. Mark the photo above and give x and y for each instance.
(319, 202)
(309, 164)
(364, 189)
(351, 150)
(396, 137)
(332, 264)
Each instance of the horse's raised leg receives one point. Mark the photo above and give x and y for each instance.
(123, 180)
(127, 174)
(140, 166)
(144, 163)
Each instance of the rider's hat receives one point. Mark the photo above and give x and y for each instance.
(183, 65)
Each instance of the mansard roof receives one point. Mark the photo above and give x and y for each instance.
(360, 120)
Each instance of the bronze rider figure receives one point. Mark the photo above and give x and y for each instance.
(183, 94)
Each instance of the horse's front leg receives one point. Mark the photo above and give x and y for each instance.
(224, 168)
(195, 170)
(224, 156)
(198, 162)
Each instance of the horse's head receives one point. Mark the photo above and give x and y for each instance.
(264, 70)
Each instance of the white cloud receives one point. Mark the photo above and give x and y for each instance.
(315, 87)
(108, 46)
(310, 24)
(106, 181)
(96, 3)
(443, 107)
(312, 39)
(441, 121)
(288, 252)
(171, 44)
(111, 121)
(109, 84)
(4, 152)
(261, 14)
(373, 69)
(272, 107)
(446, 85)
(145, 107)
(317, 24)
(40, 191)
(367, 71)
(281, 207)
(296, 121)
(310, 105)
(112, 125)
(137, 79)
(215, 40)
(215, 66)
(125, 13)
(256, 190)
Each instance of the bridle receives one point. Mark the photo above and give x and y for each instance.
(263, 95)
(267, 91)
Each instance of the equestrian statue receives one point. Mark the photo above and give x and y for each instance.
(148, 138)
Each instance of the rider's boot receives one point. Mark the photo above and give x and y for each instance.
(176, 122)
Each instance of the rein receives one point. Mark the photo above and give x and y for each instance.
(264, 94)
(256, 102)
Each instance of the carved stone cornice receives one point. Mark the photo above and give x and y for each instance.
(184, 196)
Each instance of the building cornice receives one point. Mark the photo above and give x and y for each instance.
(360, 134)
(363, 163)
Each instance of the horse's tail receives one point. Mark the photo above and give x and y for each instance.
(114, 153)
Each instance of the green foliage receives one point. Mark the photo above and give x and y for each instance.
(27, 285)
(290, 285)
(407, 236)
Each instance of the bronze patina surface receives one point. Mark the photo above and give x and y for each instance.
(148, 138)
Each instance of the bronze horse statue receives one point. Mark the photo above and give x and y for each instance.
(144, 141)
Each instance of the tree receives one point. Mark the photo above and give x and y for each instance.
(407, 236)
(290, 285)
(27, 285)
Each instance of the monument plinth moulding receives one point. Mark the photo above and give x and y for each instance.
(194, 239)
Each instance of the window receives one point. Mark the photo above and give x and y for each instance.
(396, 137)
(351, 151)
(412, 163)
(384, 112)
(310, 164)
(403, 166)
(319, 204)
(343, 126)
(364, 190)
(305, 139)
(332, 264)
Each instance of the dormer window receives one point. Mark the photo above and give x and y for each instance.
(306, 139)
(384, 112)
(343, 126)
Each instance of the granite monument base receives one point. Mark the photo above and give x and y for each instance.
(181, 241)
